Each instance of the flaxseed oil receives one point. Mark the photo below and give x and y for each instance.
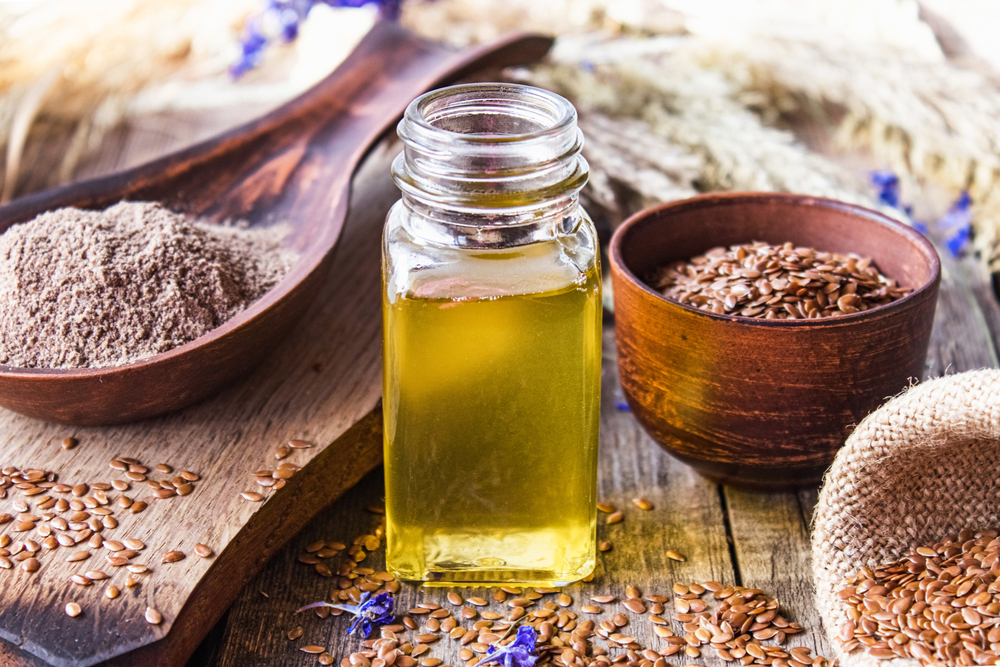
(491, 422)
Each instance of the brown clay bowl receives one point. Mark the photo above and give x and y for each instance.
(294, 165)
(764, 403)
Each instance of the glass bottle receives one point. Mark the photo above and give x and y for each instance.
(492, 353)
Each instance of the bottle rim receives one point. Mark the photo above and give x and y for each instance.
(421, 113)
(490, 147)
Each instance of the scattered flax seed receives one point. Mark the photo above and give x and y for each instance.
(282, 451)
(203, 550)
(77, 556)
(642, 503)
(30, 565)
(605, 546)
(172, 557)
(607, 508)
(153, 617)
(635, 605)
(73, 609)
(615, 517)
(112, 592)
(327, 659)
(70, 443)
(295, 633)
(454, 598)
(137, 506)
(674, 555)
(252, 496)
(300, 444)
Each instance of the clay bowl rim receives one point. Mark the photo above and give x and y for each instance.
(660, 211)
(307, 262)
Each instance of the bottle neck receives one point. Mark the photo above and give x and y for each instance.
(490, 165)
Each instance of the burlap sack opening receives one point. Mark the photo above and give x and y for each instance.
(921, 467)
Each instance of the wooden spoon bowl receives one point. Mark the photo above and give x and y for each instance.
(753, 402)
(293, 165)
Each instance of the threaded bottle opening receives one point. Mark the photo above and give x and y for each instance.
(490, 146)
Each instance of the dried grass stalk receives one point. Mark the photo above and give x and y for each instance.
(926, 118)
(699, 111)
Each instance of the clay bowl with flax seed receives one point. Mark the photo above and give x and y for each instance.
(754, 402)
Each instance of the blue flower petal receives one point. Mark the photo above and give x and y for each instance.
(288, 15)
(519, 653)
(888, 186)
(368, 613)
(957, 222)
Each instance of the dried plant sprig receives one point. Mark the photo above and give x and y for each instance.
(369, 613)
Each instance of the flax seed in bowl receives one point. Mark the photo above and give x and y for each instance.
(760, 402)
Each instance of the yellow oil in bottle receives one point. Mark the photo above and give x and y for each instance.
(491, 431)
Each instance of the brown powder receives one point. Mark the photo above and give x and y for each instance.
(85, 288)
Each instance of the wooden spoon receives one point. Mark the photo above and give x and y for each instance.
(293, 165)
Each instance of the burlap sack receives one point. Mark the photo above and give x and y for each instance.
(921, 467)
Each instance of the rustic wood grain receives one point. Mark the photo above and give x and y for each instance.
(316, 386)
(322, 385)
(686, 517)
(770, 535)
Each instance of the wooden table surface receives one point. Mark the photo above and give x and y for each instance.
(736, 537)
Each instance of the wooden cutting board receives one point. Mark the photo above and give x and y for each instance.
(322, 387)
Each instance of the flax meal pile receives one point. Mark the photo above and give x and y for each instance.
(83, 289)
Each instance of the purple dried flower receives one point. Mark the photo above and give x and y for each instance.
(957, 224)
(367, 614)
(518, 653)
(888, 189)
(286, 16)
(252, 45)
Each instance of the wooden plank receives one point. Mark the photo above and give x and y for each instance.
(771, 542)
(961, 339)
(686, 517)
(317, 386)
